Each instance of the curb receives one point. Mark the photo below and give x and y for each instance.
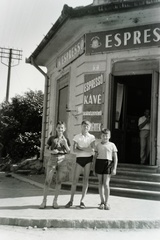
(84, 224)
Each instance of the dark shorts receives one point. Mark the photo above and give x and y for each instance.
(103, 166)
(82, 161)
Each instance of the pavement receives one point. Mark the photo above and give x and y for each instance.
(20, 197)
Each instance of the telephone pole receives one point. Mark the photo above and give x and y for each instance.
(10, 57)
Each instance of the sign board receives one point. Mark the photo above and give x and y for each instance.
(126, 38)
(92, 101)
(71, 53)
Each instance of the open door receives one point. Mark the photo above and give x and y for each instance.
(117, 117)
(131, 94)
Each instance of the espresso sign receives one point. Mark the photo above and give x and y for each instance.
(92, 101)
(119, 39)
(71, 53)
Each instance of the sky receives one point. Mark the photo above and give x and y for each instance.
(23, 25)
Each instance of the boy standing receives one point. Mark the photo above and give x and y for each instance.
(105, 165)
(84, 144)
(59, 146)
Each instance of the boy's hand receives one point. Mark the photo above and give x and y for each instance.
(79, 148)
(114, 172)
(64, 141)
(55, 151)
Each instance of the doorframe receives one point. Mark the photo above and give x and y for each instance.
(154, 114)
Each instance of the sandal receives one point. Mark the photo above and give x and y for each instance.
(107, 207)
(69, 204)
(82, 205)
(101, 206)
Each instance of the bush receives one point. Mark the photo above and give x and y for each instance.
(20, 125)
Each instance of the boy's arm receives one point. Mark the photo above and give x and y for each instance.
(76, 147)
(94, 161)
(87, 149)
(65, 144)
(93, 145)
(115, 160)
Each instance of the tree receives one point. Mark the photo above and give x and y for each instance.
(20, 125)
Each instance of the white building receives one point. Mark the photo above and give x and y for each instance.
(102, 64)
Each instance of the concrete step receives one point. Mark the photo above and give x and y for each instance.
(136, 184)
(119, 191)
(131, 180)
(125, 183)
(143, 176)
(137, 168)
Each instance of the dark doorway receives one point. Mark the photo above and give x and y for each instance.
(131, 95)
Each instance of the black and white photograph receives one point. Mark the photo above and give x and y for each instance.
(79, 119)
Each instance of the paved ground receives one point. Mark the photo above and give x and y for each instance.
(19, 202)
(17, 233)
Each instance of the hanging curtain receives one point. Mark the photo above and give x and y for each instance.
(119, 99)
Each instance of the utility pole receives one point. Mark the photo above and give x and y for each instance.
(12, 57)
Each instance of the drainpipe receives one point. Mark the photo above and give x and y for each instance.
(44, 106)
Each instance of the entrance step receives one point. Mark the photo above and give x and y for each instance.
(142, 176)
(118, 191)
(137, 168)
(142, 182)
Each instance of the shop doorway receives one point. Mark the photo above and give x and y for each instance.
(131, 96)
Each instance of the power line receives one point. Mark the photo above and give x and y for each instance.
(10, 58)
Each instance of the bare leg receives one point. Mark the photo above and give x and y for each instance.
(101, 187)
(87, 169)
(78, 170)
(57, 191)
(59, 178)
(49, 176)
(106, 182)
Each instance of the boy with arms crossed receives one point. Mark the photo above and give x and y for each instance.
(84, 144)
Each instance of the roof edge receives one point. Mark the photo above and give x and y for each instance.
(69, 12)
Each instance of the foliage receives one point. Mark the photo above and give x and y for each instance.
(20, 125)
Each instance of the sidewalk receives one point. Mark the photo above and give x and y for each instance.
(22, 209)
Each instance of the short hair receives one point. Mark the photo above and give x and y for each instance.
(61, 123)
(86, 122)
(105, 131)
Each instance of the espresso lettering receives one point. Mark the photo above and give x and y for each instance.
(108, 41)
(127, 36)
(147, 35)
(137, 35)
(119, 42)
(156, 34)
(93, 83)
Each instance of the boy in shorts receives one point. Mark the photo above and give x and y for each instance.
(59, 145)
(83, 146)
(105, 165)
